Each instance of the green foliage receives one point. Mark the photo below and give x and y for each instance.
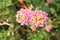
(5, 3)
(36, 2)
(27, 1)
(43, 7)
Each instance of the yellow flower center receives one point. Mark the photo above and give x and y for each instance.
(21, 16)
(37, 18)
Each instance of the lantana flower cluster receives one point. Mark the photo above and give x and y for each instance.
(48, 2)
(48, 28)
(22, 16)
(35, 17)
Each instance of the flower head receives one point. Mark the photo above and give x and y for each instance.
(38, 18)
(48, 2)
(48, 28)
(22, 16)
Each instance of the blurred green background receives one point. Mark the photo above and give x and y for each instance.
(11, 30)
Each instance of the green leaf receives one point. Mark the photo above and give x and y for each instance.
(55, 25)
(8, 2)
(27, 1)
(46, 35)
(2, 3)
(43, 7)
(58, 18)
(36, 2)
(52, 10)
(5, 3)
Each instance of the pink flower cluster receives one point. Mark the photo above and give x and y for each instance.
(48, 2)
(36, 17)
(22, 16)
(48, 28)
